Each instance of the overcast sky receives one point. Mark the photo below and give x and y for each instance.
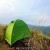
(34, 12)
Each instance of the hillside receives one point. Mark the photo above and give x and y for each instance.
(37, 41)
(43, 29)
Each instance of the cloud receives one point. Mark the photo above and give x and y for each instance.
(35, 12)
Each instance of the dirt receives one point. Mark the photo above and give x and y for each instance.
(16, 46)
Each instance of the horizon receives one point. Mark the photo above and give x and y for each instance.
(33, 12)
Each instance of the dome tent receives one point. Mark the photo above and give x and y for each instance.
(15, 31)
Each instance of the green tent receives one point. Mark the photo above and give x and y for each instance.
(15, 31)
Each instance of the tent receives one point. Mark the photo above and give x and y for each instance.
(15, 31)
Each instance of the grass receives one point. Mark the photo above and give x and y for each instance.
(2, 27)
(37, 41)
